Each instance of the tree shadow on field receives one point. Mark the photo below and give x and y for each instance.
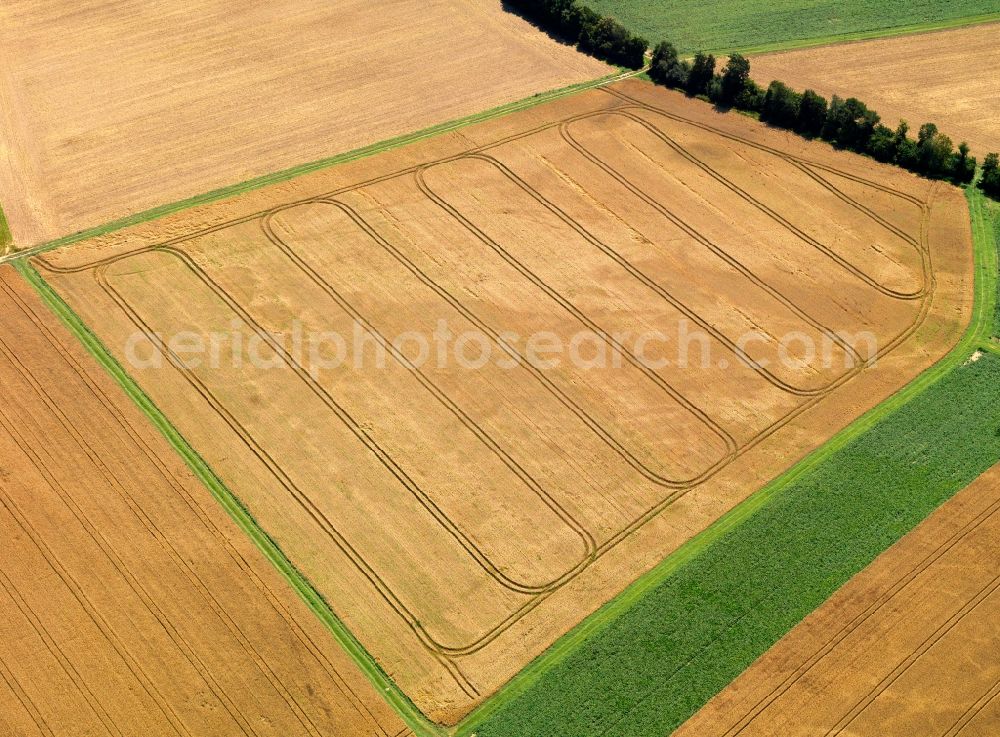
(509, 7)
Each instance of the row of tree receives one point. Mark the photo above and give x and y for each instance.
(990, 181)
(594, 34)
(848, 124)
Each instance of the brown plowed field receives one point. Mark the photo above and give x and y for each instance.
(461, 519)
(949, 78)
(908, 647)
(107, 109)
(130, 604)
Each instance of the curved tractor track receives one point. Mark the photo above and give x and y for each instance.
(117, 439)
(421, 177)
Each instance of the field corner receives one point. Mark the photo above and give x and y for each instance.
(408, 712)
(977, 335)
(9, 253)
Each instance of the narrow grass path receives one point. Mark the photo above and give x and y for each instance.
(648, 659)
(413, 718)
(411, 715)
(6, 241)
(986, 220)
(622, 671)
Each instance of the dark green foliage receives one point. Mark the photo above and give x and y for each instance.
(577, 19)
(907, 153)
(882, 145)
(666, 68)
(735, 77)
(664, 57)
(812, 114)
(654, 665)
(936, 152)
(846, 123)
(781, 105)
(849, 124)
(906, 150)
(964, 168)
(751, 98)
(990, 182)
(609, 40)
(702, 71)
(931, 155)
(597, 35)
(714, 91)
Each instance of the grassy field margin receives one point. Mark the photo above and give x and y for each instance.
(988, 214)
(6, 240)
(412, 716)
(19, 259)
(976, 336)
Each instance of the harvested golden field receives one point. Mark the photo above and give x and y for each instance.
(129, 602)
(908, 647)
(949, 78)
(460, 514)
(110, 108)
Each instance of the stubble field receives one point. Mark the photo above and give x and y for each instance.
(129, 602)
(107, 109)
(460, 519)
(948, 78)
(907, 647)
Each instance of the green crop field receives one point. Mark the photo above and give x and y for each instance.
(688, 638)
(725, 25)
(344, 482)
(651, 664)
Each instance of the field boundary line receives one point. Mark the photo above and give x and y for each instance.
(421, 726)
(914, 29)
(7, 254)
(233, 506)
(367, 228)
(85, 445)
(979, 328)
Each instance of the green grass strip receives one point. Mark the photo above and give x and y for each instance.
(297, 171)
(6, 239)
(693, 633)
(992, 211)
(666, 630)
(535, 677)
(384, 685)
(908, 30)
